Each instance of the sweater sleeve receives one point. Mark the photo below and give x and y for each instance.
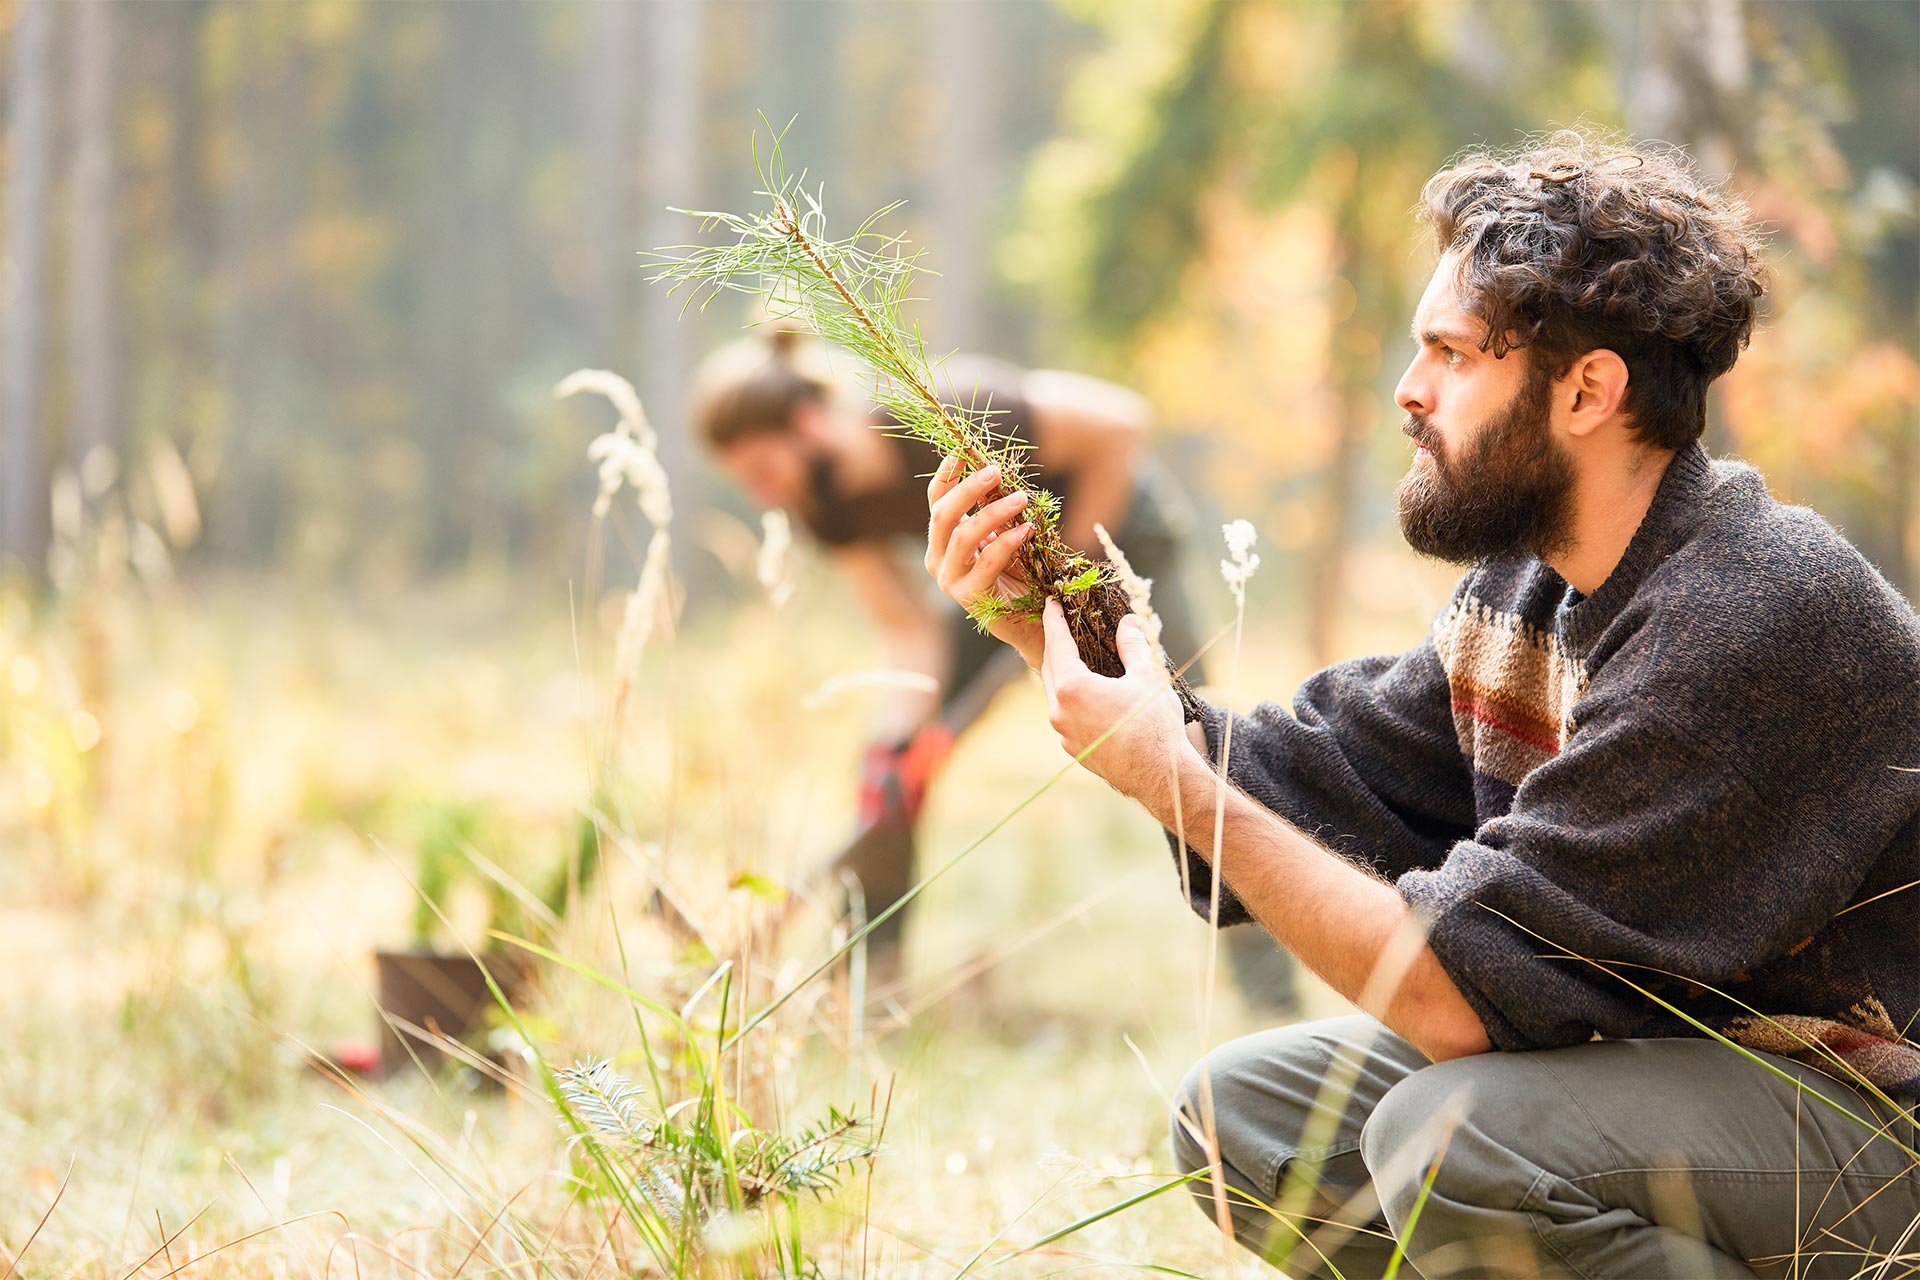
(1368, 764)
(1710, 813)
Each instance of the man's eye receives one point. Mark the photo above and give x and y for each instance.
(1451, 356)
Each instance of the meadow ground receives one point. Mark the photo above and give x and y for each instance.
(210, 805)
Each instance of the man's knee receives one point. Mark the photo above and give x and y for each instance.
(1189, 1148)
(1412, 1124)
(1228, 1102)
(1243, 1097)
(1205, 1102)
(1452, 1141)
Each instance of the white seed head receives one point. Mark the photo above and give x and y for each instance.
(1240, 538)
(625, 460)
(620, 392)
(647, 606)
(628, 454)
(1241, 562)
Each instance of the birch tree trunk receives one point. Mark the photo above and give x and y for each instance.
(23, 479)
(610, 171)
(964, 64)
(672, 74)
(96, 439)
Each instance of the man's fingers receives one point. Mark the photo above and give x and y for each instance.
(945, 511)
(995, 559)
(974, 530)
(1136, 652)
(1062, 653)
(969, 537)
(945, 476)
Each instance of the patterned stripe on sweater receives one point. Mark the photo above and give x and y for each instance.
(1513, 689)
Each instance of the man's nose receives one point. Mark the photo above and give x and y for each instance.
(1411, 393)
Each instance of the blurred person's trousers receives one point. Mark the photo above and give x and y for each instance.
(1628, 1158)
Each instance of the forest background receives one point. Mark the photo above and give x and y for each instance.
(295, 536)
(330, 257)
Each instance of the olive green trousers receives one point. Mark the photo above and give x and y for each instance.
(1629, 1158)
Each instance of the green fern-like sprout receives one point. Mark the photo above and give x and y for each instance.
(684, 1175)
(607, 1102)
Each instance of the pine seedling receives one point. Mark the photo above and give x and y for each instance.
(852, 292)
(689, 1170)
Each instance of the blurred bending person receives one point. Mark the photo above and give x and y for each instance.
(773, 414)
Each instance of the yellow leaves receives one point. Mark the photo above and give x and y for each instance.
(1109, 104)
(1269, 53)
(330, 22)
(1241, 357)
(85, 728)
(1801, 403)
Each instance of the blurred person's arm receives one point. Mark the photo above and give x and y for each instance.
(913, 637)
(1095, 431)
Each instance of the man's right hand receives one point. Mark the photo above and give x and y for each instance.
(972, 555)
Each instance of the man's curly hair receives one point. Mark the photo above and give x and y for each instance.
(1578, 243)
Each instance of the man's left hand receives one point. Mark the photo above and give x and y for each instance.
(1139, 707)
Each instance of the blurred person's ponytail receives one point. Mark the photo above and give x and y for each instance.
(751, 386)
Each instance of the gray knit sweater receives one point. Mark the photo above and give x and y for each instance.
(1703, 776)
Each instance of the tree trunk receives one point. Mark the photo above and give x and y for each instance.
(1685, 76)
(96, 441)
(1355, 368)
(171, 342)
(964, 61)
(23, 479)
(1327, 561)
(249, 510)
(611, 169)
(673, 150)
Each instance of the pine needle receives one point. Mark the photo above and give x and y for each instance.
(852, 292)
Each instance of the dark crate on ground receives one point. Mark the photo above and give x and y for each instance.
(429, 994)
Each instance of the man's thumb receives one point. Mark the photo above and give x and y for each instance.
(1136, 653)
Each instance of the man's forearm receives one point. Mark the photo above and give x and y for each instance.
(1349, 927)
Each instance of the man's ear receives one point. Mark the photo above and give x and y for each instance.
(1596, 388)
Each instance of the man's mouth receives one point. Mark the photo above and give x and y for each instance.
(1416, 432)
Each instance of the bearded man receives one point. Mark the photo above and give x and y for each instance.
(1622, 861)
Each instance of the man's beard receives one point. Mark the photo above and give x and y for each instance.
(1512, 491)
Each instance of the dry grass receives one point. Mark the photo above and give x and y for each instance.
(193, 898)
(208, 801)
